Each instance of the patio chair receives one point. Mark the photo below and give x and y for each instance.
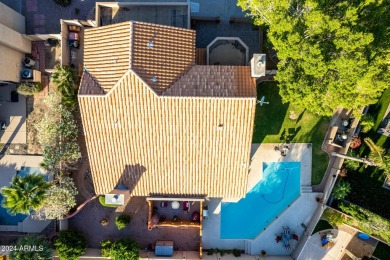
(164, 204)
(295, 237)
(186, 207)
(286, 230)
(278, 238)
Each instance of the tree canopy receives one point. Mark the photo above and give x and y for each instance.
(331, 53)
(123, 249)
(25, 194)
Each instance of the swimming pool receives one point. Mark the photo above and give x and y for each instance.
(6, 219)
(279, 188)
(24, 170)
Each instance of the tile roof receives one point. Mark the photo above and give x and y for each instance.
(166, 137)
(214, 81)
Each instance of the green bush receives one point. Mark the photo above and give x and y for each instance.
(341, 190)
(101, 200)
(333, 217)
(29, 88)
(368, 222)
(70, 245)
(122, 221)
(63, 2)
(236, 252)
(367, 122)
(123, 249)
(351, 164)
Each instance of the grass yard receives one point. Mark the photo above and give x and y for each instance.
(322, 225)
(272, 125)
(367, 191)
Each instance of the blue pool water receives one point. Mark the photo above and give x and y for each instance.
(30, 170)
(279, 188)
(6, 219)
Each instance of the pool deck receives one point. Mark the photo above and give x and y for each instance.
(300, 212)
(9, 164)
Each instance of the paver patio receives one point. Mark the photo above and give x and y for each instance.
(88, 222)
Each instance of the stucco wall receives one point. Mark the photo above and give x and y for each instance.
(11, 19)
(10, 63)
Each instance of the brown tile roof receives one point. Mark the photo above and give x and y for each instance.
(172, 55)
(107, 53)
(164, 137)
(158, 145)
(214, 81)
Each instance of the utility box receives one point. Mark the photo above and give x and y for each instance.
(164, 248)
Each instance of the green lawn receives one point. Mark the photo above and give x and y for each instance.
(272, 125)
(322, 225)
(382, 251)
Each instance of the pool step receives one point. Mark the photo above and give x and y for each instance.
(306, 189)
(248, 247)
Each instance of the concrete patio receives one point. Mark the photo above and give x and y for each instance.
(14, 114)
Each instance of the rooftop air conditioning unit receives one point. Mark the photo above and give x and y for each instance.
(258, 65)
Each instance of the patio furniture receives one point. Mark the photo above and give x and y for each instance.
(286, 230)
(295, 237)
(186, 206)
(278, 239)
(175, 204)
(195, 216)
(205, 212)
(164, 204)
(363, 236)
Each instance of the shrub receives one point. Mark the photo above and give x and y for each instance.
(122, 221)
(63, 2)
(104, 222)
(70, 244)
(341, 190)
(29, 88)
(333, 217)
(123, 249)
(236, 252)
(101, 200)
(367, 122)
(351, 164)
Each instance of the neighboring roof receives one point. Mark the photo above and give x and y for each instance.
(167, 137)
(214, 81)
(110, 51)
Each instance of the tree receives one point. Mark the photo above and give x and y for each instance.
(122, 221)
(367, 122)
(64, 77)
(123, 249)
(70, 245)
(331, 53)
(29, 88)
(60, 199)
(32, 247)
(57, 133)
(378, 156)
(25, 194)
(341, 190)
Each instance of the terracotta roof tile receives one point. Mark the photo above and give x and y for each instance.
(214, 81)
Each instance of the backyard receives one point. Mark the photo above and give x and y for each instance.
(273, 125)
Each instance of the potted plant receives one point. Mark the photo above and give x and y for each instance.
(263, 253)
(355, 142)
(104, 222)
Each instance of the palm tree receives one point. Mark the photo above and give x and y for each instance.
(341, 190)
(378, 157)
(24, 194)
(42, 249)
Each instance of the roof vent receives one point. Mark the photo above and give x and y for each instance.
(258, 65)
(220, 126)
(150, 44)
(154, 79)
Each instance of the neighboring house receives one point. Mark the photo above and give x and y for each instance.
(159, 124)
(13, 45)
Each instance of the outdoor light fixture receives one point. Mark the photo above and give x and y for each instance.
(150, 44)
(154, 79)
